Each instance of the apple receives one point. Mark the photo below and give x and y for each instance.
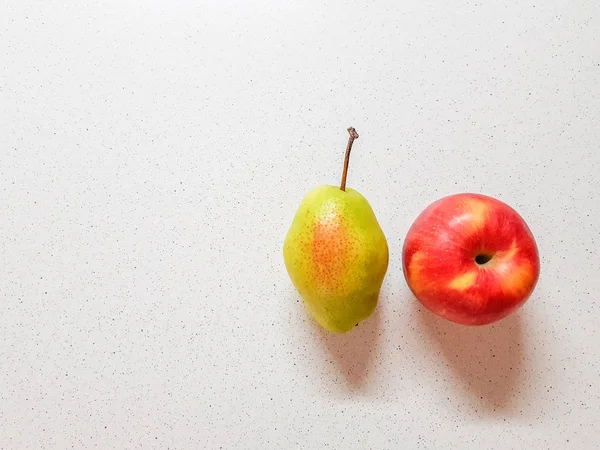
(470, 259)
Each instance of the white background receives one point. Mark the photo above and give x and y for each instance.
(153, 154)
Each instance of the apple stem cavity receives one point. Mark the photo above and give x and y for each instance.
(483, 258)
(353, 135)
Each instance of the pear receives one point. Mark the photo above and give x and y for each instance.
(336, 254)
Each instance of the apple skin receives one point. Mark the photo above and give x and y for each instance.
(439, 259)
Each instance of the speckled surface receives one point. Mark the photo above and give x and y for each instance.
(153, 154)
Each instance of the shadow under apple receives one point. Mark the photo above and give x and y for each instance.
(488, 361)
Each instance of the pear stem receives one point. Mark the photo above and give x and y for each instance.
(353, 135)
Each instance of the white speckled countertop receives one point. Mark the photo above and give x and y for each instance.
(152, 155)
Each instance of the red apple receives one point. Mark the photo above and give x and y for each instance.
(471, 259)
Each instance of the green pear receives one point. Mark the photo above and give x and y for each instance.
(336, 254)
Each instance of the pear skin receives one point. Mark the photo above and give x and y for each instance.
(336, 255)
